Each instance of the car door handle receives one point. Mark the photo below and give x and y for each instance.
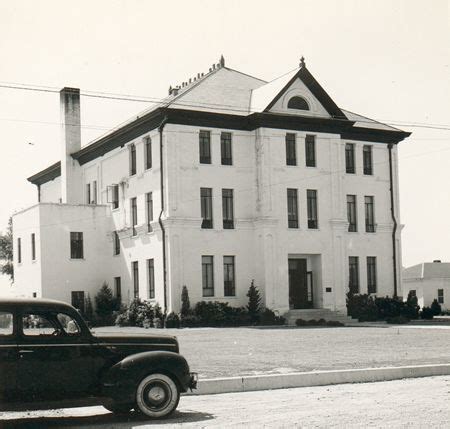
(26, 351)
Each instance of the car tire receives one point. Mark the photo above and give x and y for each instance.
(157, 396)
(119, 409)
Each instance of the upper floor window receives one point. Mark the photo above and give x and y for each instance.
(205, 147)
(132, 149)
(227, 208)
(291, 153)
(206, 207)
(313, 221)
(370, 213)
(149, 210)
(351, 213)
(133, 209)
(76, 245)
(371, 274)
(292, 205)
(208, 275)
(350, 158)
(367, 160)
(310, 150)
(116, 242)
(94, 192)
(112, 196)
(19, 250)
(225, 149)
(353, 274)
(298, 103)
(33, 246)
(88, 193)
(148, 153)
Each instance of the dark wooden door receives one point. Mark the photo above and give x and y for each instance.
(298, 285)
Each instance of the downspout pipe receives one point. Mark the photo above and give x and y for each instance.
(394, 220)
(163, 231)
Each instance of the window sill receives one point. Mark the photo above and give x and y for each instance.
(115, 210)
(311, 166)
(77, 259)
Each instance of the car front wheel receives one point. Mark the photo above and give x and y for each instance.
(157, 396)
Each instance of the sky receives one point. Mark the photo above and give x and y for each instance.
(385, 59)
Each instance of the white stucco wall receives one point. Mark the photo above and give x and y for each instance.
(427, 290)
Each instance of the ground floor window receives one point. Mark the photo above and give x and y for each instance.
(135, 269)
(76, 245)
(228, 276)
(353, 274)
(208, 275)
(118, 288)
(371, 274)
(151, 278)
(78, 300)
(440, 296)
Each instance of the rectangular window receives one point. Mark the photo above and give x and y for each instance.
(149, 210)
(116, 241)
(94, 192)
(205, 147)
(118, 288)
(292, 206)
(350, 158)
(135, 269)
(206, 207)
(132, 149)
(370, 214)
(351, 213)
(313, 220)
(371, 274)
(148, 153)
(151, 278)
(133, 209)
(228, 276)
(227, 208)
(310, 151)
(440, 297)
(6, 323)
(76, 245)
(19, 250)
(413, 292)
(208, 275)
(113, 196)
(353, 274)
(88, 193)
(33, 246)
(367, 160)
(291, 153)
(225, 149)
(77, 300)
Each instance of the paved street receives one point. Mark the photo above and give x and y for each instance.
(412, 403)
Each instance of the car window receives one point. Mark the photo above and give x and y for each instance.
(37, 325)
(69, 324)
(6, 323)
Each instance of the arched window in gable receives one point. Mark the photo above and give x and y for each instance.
(298, 103)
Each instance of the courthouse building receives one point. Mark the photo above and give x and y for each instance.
(228, 179)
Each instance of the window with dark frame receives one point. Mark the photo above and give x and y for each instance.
(370, 213)
(132, 149)
(149, 210)
(351, 213)
(291, 152)
(371, 274)
(229, 284)
(367, 160)
(118, 288)
(151, 278)
(76, 245)
(88, 193)
(292, 208)
(310, 150)
(135, 270)
(208, 275)
(19, 250)
(313, 219)
(353, 274)
(78, 300)
(227, 208)
(298, 103)
(440, 297)
(226, 148)
(116, 242)
(205, 147)
(33, 246)
(94, 192)
(115, 196)
(206, 207)
(133, 208)
(148, 153)
(350, 158)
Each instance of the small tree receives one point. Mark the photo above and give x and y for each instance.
(6, 251)
(254, 302)
(105, 304)
(185, 303)
(435, 308)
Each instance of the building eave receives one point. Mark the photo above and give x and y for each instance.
(46, 175)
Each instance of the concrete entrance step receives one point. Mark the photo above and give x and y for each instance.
(315, 314)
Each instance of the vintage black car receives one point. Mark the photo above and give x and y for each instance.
(50, 359)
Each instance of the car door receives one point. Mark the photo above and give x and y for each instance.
(8, 356)
(55, 357)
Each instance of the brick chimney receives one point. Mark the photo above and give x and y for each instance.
(71, 187)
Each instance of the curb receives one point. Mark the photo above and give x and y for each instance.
(315, 378)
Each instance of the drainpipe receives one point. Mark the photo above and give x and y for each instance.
(163, 231)
(391, 189)
(39, 193)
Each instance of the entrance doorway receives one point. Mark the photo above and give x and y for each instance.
(300, 284)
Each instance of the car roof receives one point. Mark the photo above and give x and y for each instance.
(33, 302)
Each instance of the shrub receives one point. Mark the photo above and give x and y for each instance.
(320, 322)
(105, 305)
(172, 320)
(301, 322)
(334, 323)
(411, 309)
(427, 313)
(268, 317)
(189, 321)
(185, 303)
(436, 308)
(210, 313)
(397, 320)
(254, 302)
(362, 307)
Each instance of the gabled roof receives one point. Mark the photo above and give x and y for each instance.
(428, 270)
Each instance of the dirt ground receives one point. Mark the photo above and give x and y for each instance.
(226, 352)
(411, 403)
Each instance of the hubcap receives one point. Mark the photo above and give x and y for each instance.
(156, 394)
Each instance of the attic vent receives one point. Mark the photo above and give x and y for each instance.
(298, 103)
